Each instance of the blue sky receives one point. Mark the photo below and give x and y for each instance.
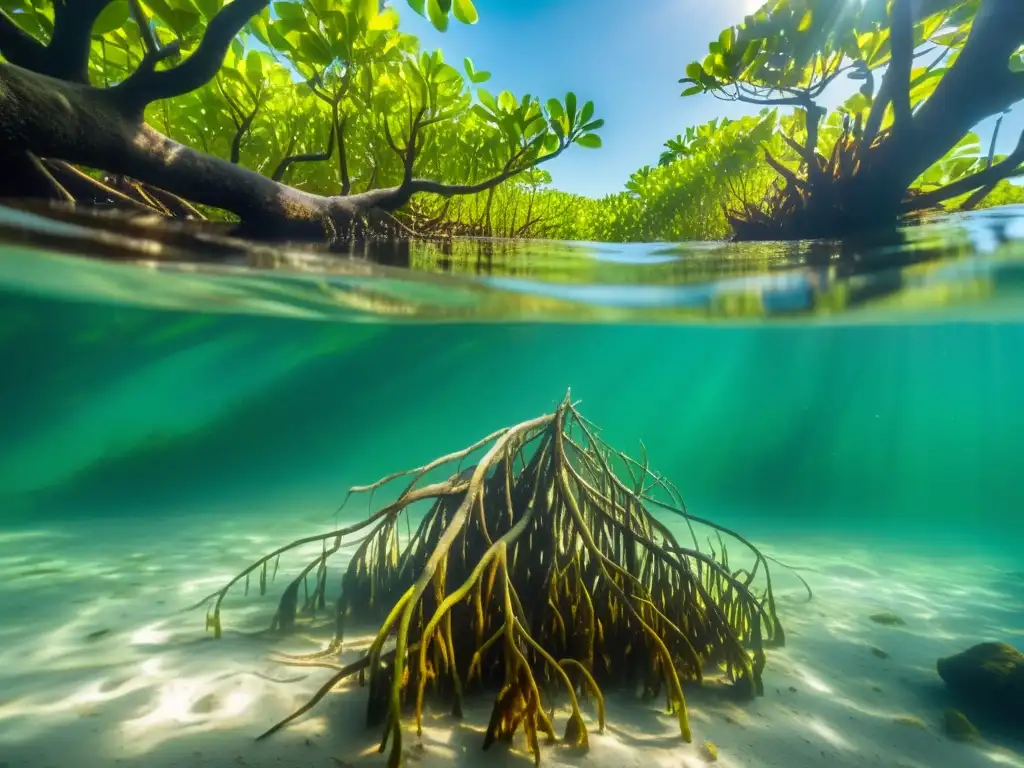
(625, 55)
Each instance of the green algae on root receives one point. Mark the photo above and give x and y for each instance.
(990, 675)
(958, 727)
(538, 569)
(911, 721)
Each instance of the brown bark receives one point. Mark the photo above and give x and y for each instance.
(86, 126)
(96, 128)
(978, 86)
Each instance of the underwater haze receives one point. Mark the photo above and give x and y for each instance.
(166, 423)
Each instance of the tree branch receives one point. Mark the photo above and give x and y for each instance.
(19, 47)
(309, 157)
(154, 56)
(784, 172)
(813, 117)
(66, 56)
(900, 67)
(80, 125)
(901, 31)
(978, 195)
(81, 185)
(413, 147)
(789, 101)
(418, 186)
(145, 30)
(1017, 90)
(876, 115)
(1011, 165)
(346, 181)
(145, 87)
(391, 141)
(178, 207)
(71, 43)
(26, 176)
(829, 77)
(393, 198)
(243, 128)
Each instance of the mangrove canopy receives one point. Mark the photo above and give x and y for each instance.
(303, 118)
(929, 72)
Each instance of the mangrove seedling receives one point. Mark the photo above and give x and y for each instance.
(538, 570)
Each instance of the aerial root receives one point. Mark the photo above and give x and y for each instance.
(537, 569)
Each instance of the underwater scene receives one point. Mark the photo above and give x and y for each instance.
(274, 515)
(511, 383)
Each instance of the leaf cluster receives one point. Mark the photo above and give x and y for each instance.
(329, 95)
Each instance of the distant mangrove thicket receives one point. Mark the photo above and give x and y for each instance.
(310, 117)
(928, 72)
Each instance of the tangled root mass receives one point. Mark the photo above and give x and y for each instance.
(538, 569)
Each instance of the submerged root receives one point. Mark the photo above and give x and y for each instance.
(537, 570)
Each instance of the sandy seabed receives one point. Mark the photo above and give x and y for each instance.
(100, 666)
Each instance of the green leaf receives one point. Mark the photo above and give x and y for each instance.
(589, 140)
(166, 14)
(258, 24)
(555, 108)
(481, 77)
(465, 11)
(254, 68)
(558, 127)
(315, 49)
(367, 9)
(208, 8)
(112, 17)
(570, 108)
(593, 126)
(386, 21)
(277, 35)
(507, 101)
(467, 64)
(588, 112)
(484, 114)
(694, 70)
(806, 21)
(693, 89)
(417, 6)
(438, 17)
(488, 100)
(234, 76)
(288, 11)
(725, 39)
(1017, 61)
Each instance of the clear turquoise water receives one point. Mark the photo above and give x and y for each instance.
(853, 397)
(129, 388)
